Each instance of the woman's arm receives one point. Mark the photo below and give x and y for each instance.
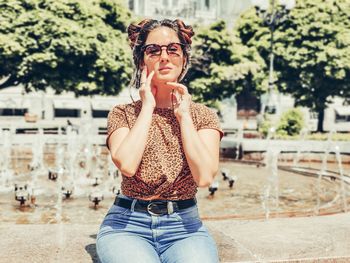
(128, 145)
(201, 147)
(202, 151)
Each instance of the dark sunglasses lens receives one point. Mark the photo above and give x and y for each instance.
(174, 48)
(153, 50)
(156, 50)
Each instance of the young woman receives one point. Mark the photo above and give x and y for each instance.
(166, 146)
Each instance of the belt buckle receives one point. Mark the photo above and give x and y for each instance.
(154, 204)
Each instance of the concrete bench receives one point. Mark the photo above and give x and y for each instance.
(308, 239)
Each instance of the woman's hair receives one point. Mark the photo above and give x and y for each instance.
(138, 35)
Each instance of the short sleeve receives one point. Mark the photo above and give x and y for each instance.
(208, 119)
(116, 119)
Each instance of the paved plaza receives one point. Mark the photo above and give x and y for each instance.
(299, 239)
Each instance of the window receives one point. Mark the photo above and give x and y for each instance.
(75, 113)
(342, 114)
(342, 118)
(100, 113)
(12, 112)
(248, 105)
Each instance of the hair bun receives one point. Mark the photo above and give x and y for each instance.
(134, 31)
(186, 31)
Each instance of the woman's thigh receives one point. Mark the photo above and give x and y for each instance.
(124, 236)
(194, 249)
(186, 239)
(120, 247)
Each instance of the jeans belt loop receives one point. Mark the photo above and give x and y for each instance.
(170, 207)
(132, 208)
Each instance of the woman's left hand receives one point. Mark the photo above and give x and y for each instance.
(182, 100)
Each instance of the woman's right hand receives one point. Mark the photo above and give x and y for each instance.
(147, 93)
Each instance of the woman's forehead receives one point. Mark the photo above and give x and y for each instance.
(162, 36)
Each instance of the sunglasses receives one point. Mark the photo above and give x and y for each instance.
(173, 49)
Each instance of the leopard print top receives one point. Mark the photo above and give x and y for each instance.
(163, 170)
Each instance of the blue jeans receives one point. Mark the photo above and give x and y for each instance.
(128, 236)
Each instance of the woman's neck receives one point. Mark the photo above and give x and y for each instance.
(163, 96)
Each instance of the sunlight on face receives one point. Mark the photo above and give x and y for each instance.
(166, 67)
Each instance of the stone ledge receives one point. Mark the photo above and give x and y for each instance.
(321, 239)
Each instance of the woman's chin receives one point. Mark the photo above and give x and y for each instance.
(164, 79)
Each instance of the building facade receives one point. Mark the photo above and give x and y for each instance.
(49, 110)
(191, 11)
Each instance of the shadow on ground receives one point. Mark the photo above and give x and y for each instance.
(91, 249)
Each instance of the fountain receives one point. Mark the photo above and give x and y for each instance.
(38, 151)
(213, 188)
(70, 177)
(67, 190)
(343, 180)
(72, 146)
(59, 177)
(271, 192)
(96, 197)
(323, 170)
(6, 172)
(227, 177)
(301, 146)
(22, 194)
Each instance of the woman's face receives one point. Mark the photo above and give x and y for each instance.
(166, 60)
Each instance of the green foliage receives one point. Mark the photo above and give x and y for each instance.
(324, 136)
(312, 51)
(76, 45)
(221, 65)
(291, 123)
(314, 137)
(265, 126)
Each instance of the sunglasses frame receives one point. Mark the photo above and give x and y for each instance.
(143, 49)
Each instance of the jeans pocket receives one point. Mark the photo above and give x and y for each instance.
(116, 211)
(187, 215)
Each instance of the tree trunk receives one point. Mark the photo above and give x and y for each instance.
(320, 120)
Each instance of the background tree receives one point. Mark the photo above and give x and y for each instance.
(75, 45)
(312, 51)
(221, 65)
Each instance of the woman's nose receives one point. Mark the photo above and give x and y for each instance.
(164, 54)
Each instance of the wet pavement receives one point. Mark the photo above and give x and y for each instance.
(298, 239)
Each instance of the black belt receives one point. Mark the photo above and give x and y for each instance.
(155, 207)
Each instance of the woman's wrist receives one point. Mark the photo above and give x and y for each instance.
(184, 117)
(147, 107)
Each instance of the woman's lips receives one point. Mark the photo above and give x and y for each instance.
(165, 69)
